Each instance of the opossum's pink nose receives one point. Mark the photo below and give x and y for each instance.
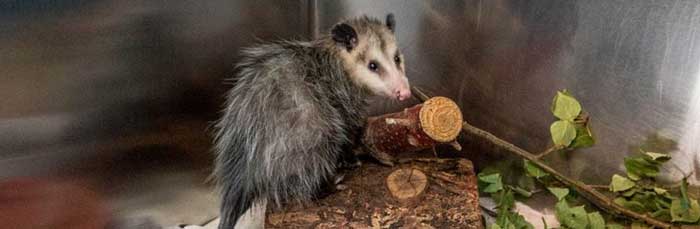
(402, 93)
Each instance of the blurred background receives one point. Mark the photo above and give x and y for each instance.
(116, 98)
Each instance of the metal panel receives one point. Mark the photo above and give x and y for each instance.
(79, 72)
(119, 95)
(633, 64)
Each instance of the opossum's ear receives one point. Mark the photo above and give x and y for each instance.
(390, 21)
(345, 35)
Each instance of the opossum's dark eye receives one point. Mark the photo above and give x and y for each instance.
(373, 66)
(397, 59)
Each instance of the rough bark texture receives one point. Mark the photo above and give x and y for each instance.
(450, 200)
(423, 126)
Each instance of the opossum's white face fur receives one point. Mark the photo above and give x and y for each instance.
(371, 56)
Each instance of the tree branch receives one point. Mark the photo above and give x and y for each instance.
(592, 195)
(599, 186)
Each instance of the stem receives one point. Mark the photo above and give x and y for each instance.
(592, 195)
(548, 151)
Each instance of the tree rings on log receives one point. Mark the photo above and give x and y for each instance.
(441, 119)
(406, 184)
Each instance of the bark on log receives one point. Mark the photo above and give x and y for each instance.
(423, 126)
(450, 200)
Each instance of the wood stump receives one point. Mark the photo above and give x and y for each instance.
(449, 200)
(423, 126)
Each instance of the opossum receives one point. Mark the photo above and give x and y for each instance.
(295, 110)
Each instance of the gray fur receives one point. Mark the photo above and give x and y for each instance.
(287, 119)
(293, 112)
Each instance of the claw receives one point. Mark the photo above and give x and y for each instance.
(338, 178)
(341, 187)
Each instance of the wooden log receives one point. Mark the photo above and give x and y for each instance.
(423, 126)
(421, 193)
(450, 199)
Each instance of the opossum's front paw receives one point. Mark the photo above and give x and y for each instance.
(337, 182)
(333, 185)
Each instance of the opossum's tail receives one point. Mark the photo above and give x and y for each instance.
(232, 174)
(236, 200)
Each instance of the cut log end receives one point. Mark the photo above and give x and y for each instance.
(441, 119)
(406, 184)
(423, 126)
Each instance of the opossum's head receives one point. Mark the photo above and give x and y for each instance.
(371, 56)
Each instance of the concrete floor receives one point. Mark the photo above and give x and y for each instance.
(150, 180)
(169, 199)
(160, 177)
(165, 180)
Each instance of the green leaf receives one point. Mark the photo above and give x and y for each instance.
(620, 183)
(660, 191)
(662, 202)
(519, 221)
(690, 215)
(662, 214)
(646, 199)
(504, 199)
(575, 217)
(639, 225)
(631, 205)
(634, 206)
(584, 137)
(565, 106)
(493, 182)
(660, 157)
(596, 221)
(491, 188)
(563, 132)
(614, 226)
(560, 193)
(630, 192)
(685, 202)
(490, 178)
(583, 141)
(506, 218)
(633, 176)
(639, 167)
(526, 182)
(658, 143)
(533, 170)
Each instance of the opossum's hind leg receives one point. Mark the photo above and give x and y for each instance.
(348, 159)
